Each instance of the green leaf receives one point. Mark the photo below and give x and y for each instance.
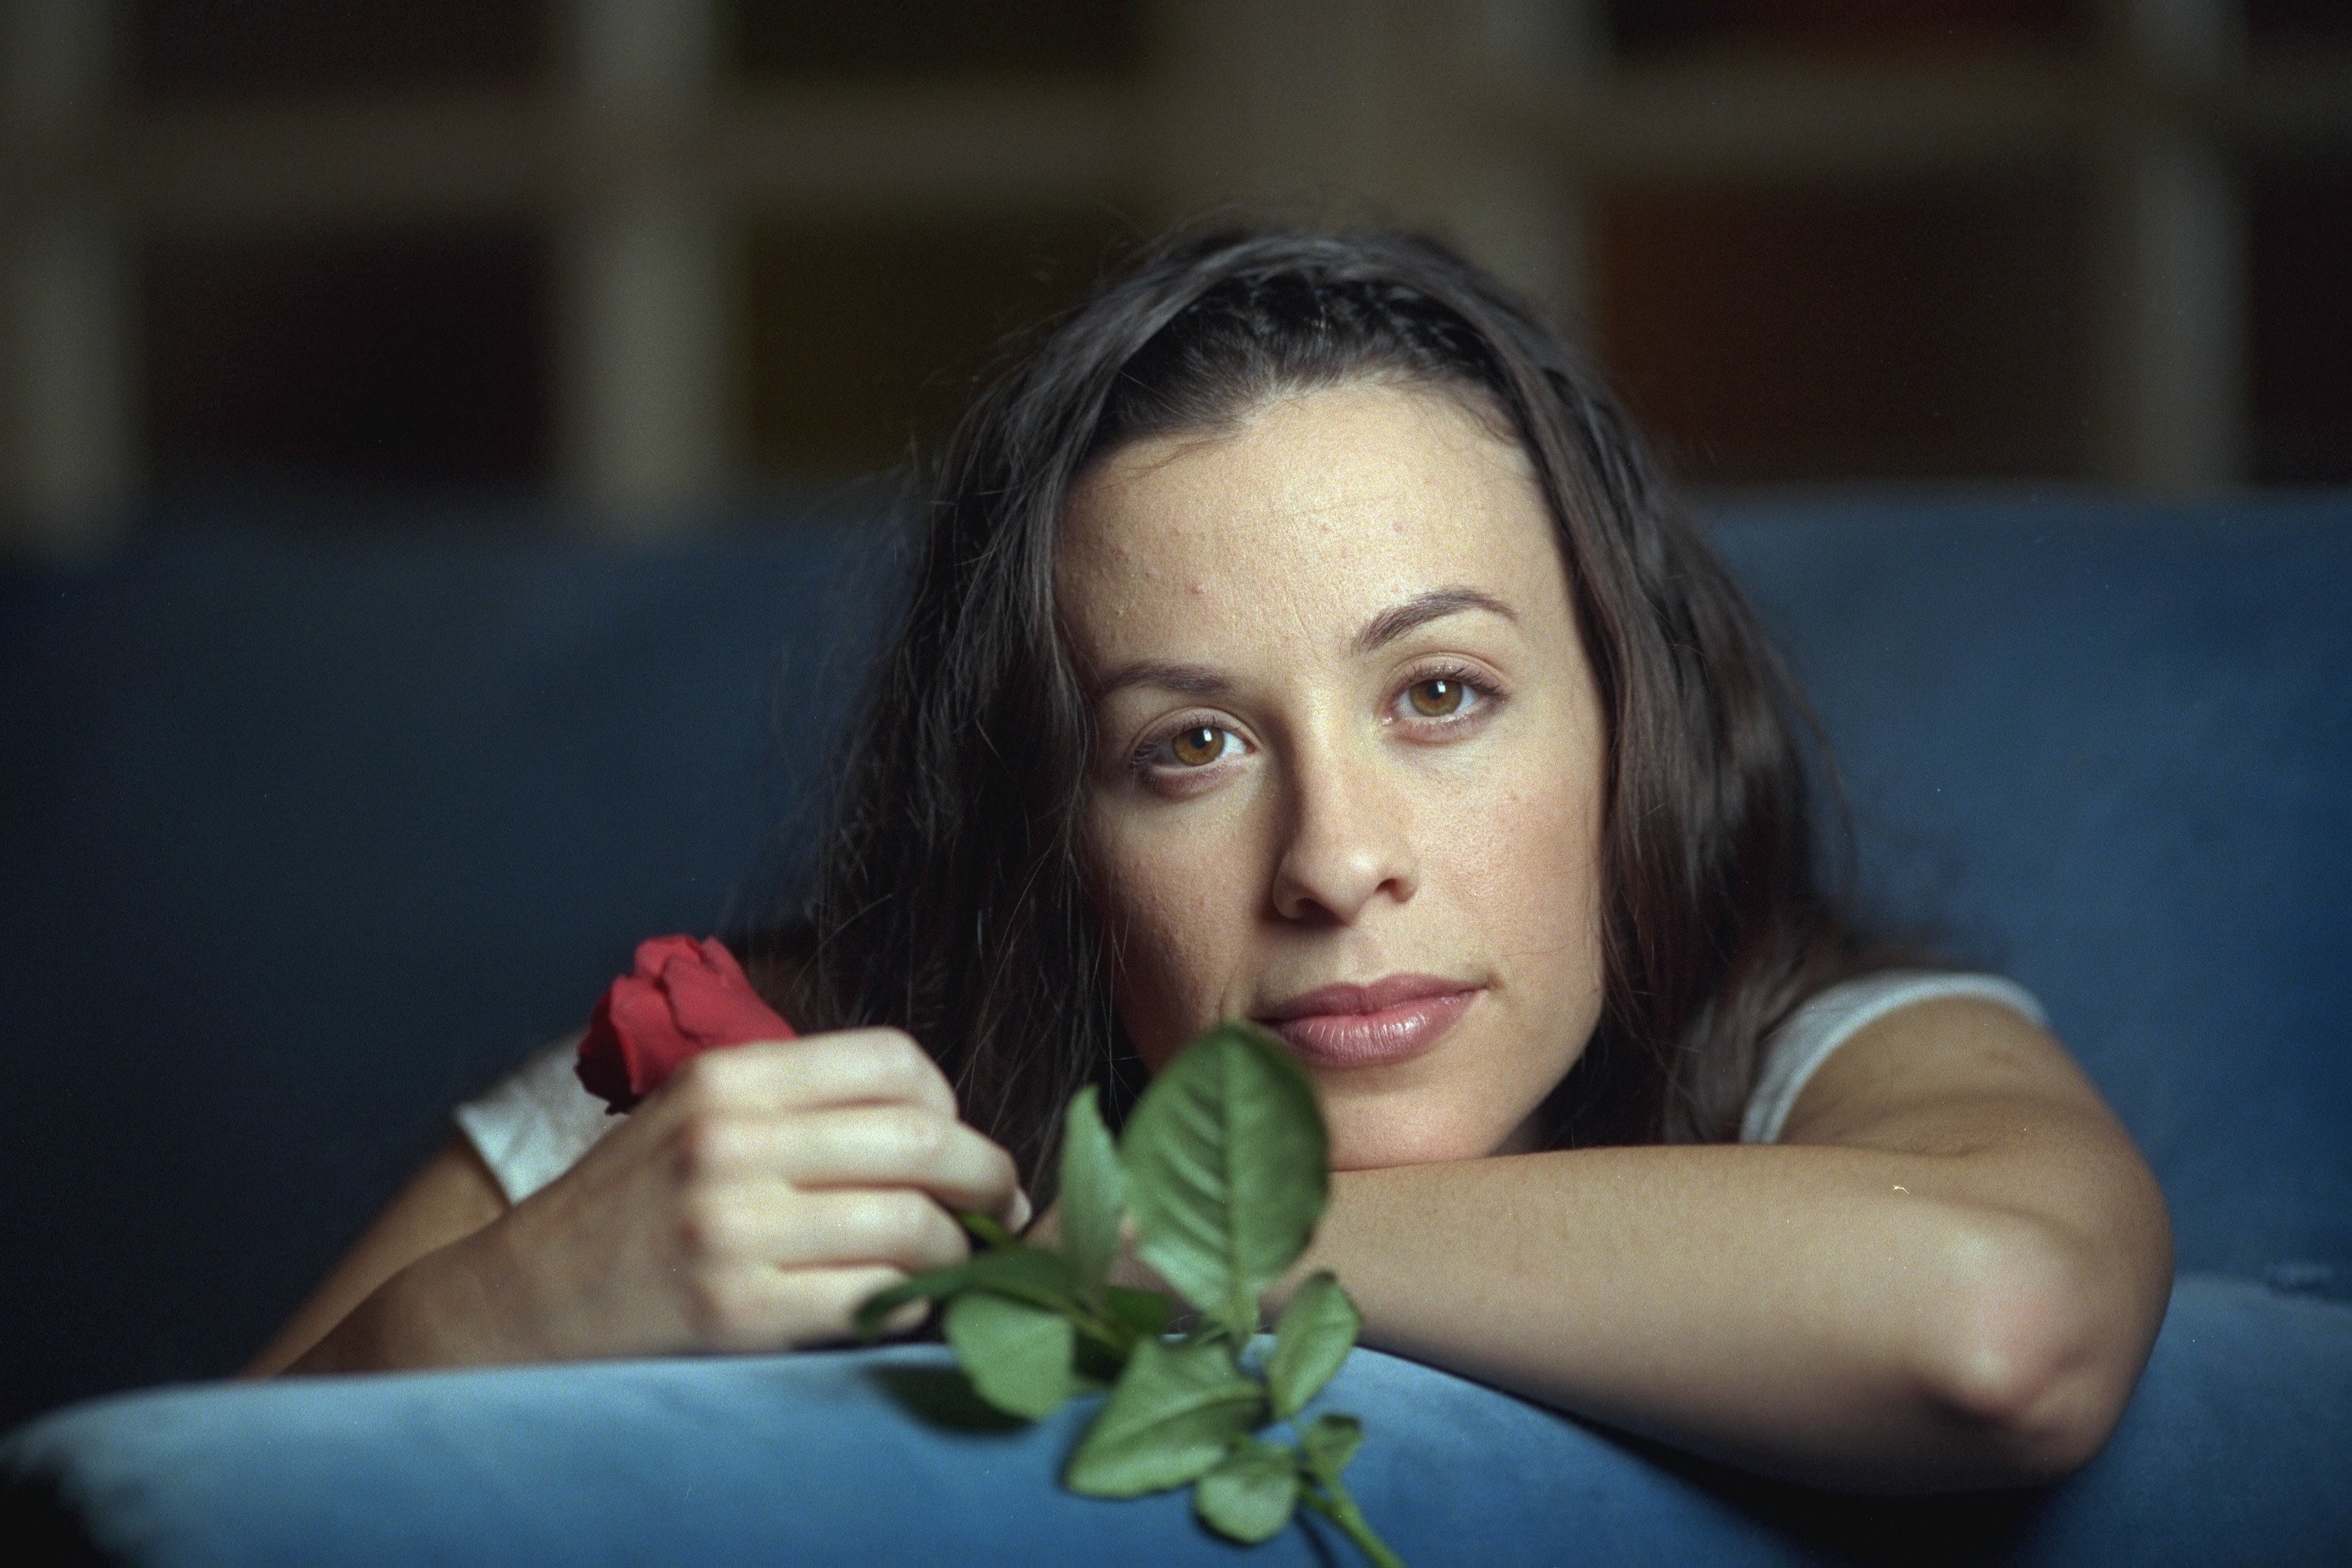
(1226, 1170)
(1251, 1494)
(986, 1230)
(1018, 1357)
(1099, 1358)
(1204, 1333)
(1175, 1411)
(1316, 1331)
(1329, 1443)
(1028, 1274)
(1144, 1312)
(922, 1287)
(1093, 1193)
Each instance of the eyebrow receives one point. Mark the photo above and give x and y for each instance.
(1200, 680)
(1422, 608)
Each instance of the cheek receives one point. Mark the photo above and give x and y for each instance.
(1175, 930)
(1527, 856)
(1526, 865)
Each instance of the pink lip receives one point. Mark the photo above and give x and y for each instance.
(1391, 1020)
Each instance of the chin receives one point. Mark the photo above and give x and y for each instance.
(1375, 1139)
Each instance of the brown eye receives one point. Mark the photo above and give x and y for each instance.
(1198, 748)
(1436, 698)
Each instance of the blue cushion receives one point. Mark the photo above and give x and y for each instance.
(2108, 749)
(2230, 1453)
(303, 840)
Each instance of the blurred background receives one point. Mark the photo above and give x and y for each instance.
(617, 262)
(422, 423)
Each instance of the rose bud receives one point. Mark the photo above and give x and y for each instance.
(685, 997)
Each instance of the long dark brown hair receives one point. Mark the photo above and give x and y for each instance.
(948, 897)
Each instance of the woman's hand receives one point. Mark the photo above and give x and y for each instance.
(751, 1203)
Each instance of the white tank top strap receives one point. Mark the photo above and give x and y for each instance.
(533, 1124)
(1828, 1019)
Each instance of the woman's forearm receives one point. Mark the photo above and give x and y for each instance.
(1840, 1316)
(439, 1311)
(365, 1305)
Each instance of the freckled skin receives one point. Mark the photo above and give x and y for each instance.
(1339, 833)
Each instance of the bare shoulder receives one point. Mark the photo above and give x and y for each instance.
(2001, 1120)
(1948, 1066)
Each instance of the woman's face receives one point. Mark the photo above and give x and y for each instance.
(1352, 760)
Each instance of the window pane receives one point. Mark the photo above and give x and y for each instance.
(204, 49)
(1871, 25)
(865, 336)
(2301, 245)
(2291, 22)
(347, 360)
(1930, 331)
(785, 38)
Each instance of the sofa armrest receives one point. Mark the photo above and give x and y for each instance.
(2230, 1451)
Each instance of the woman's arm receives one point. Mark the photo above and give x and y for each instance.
(1947, 1275)
(451, 1198)
(750, 1203)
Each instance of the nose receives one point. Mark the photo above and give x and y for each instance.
(1346, 841)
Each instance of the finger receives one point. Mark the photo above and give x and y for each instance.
(825, 1302)
(843, 1067)
(1018, 1216)
(878, 1145)
(766, 1308)
(791, 1230)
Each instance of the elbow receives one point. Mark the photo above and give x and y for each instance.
(2039, 1351)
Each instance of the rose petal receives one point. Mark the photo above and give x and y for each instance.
(685, 996)
(712, 1004)
(604, 1067)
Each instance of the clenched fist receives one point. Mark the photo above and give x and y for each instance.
(750, 1203)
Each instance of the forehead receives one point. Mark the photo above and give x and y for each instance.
(1315, 512)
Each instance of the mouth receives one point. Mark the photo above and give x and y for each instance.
(1392, 1020)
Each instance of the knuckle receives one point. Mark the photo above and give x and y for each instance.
(948, 1244)
(701, 1144)
(926, 1238)
(898, 1219)
(703, 1084)
(705, 1225)
(918, 1136)
(896, 1042)
(904, 1063)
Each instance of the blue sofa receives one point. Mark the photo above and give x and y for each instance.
(305, 834)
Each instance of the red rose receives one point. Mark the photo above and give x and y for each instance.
(686, 997)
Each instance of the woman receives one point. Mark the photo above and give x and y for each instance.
(1299, 634)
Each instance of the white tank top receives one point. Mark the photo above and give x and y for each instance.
(534, 1123)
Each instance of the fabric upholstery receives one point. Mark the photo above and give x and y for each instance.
(302, 841)
(2109, 751)
(2229, 1454)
